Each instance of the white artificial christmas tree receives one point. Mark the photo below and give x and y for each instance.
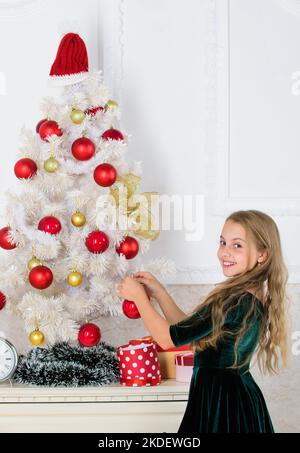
(67, 229)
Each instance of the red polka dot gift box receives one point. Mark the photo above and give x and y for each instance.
(138, 363)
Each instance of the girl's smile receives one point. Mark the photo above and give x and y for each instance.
(228, 264)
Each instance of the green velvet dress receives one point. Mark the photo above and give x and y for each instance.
(223, 400)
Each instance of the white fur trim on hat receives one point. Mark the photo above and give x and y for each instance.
(65, 80)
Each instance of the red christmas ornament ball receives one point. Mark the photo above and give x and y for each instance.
(25, 168)
(50, 224)
(97, 242)
(112, 134)
(83, 148)
(130, 309)
(40, 277)
(128, 247)
(48, 128)
(92, 111)
(89, 334)
(39, 124)
(2, 300)
(4, 239)
(105, 175)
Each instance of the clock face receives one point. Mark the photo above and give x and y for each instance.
(8, 359)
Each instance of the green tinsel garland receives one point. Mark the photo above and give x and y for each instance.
(69, 366)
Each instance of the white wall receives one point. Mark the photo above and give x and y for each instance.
(207, 100)
(207, 94)
(29, 36)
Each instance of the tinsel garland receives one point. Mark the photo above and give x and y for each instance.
(69, 366)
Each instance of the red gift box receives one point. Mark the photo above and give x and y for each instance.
(167, 360)
(185, 359)
(138, 363)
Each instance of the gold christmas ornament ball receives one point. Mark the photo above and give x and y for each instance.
(36, 337)
(112, 105)
(77, 116)
(75, 278)
(33, 263)
(51, 165)
(78, 219)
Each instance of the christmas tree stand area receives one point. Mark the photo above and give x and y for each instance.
(108, 408)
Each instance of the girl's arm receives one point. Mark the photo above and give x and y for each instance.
(158, 327)
(169, 307)
(156, 290)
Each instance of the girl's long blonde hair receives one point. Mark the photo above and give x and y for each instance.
(270, 277)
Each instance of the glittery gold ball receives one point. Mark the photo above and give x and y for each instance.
(112, 105)
(36, 337)
(51, 165)
(33, 263)
(75, 278)
(78, 219)
(77, 116)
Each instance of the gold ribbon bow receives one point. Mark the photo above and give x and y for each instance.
(136, 206)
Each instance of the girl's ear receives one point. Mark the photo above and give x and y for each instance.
(262, 257)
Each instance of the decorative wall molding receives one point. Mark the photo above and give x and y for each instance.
(218, 121)
(193, 275)
(13, 9)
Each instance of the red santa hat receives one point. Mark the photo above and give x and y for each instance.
(71, 64)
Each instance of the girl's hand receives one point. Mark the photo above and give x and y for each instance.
(152, 286)
(131, 289)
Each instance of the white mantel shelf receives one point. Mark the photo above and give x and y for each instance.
(168, 390)
(102, 409)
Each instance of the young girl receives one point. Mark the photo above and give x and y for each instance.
(243, 314)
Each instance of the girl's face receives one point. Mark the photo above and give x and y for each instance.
(237, 253)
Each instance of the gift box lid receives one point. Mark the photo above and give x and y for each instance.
(145, 340)
(138, 343)
(185, 347)
(186, 359)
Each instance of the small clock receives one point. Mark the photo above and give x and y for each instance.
(8, 359)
